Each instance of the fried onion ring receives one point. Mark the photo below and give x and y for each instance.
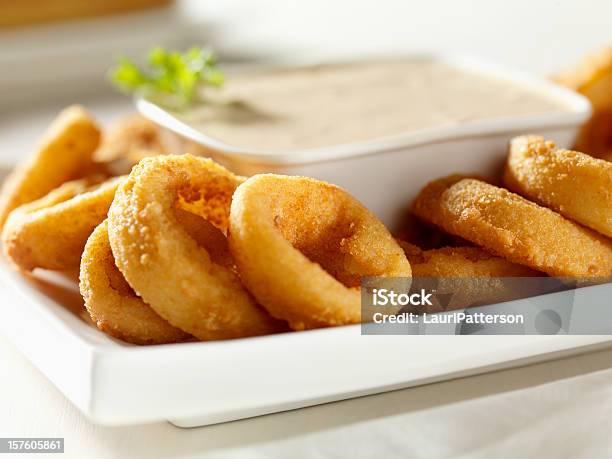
(466, 276)
(112, 304)
(576, 185)
(51, 232)
(514, 228)
(596, 136)
(165, 265)
(130, 134)
(134, 138)
(302, 245)
(64, 153)
(593, 79)
(461, 262)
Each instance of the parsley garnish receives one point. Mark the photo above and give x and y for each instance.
(170, 77)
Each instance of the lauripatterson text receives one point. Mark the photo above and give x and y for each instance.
(458, 317)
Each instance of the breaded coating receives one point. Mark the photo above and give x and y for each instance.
(302, 245)
(64, 153)
(163, 262)
(574, 184)
(593, 79)
(51, 232)
(514, 228)
(130, 135)
(112, 304)
(468, 262)
(467, 276)
(135, 137)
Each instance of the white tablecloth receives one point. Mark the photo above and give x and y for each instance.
(554, 409)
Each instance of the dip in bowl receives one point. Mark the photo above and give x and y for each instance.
(376, 125)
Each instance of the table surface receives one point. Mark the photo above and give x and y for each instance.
(543, 410)
(558, 408)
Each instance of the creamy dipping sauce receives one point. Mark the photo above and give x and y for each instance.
(322, 106)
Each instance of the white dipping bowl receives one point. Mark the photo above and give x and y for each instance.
(386, 174)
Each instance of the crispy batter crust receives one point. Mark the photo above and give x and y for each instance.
(301, 246)
(467, 276)
(593, 79)
(134, 138)
(461, 262)
(112, 304)
(64, 153)
(51, 232)
(131, 134)
(514, 228)
(576, 185)
(165, 265)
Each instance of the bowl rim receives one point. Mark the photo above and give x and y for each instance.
(578, 111)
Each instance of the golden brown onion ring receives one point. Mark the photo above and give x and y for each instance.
(593, 79)
(467, 276)
(51, 232)
(461, 262)
(302, 245)
(165, 265)
(576, 185)
(514, 228)
(134, 138)
(64, 153)
(132, 133)
(112, 304)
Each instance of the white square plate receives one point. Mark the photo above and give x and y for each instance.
(202, 383)
(192, 384)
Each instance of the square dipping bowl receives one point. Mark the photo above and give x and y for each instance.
(385, 174)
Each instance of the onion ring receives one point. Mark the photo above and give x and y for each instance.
(130, 134)
(461, 262)
(593, 79)
(134, 138)
(112, 304)
(596, 136)
(302, 245)
(514, 228)
(467, 276)
(65, 153)
(574, 184)
(51, 232)
(162, 261)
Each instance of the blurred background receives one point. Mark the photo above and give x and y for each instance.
(57, 52)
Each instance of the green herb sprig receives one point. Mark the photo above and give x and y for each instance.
(170, 76)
